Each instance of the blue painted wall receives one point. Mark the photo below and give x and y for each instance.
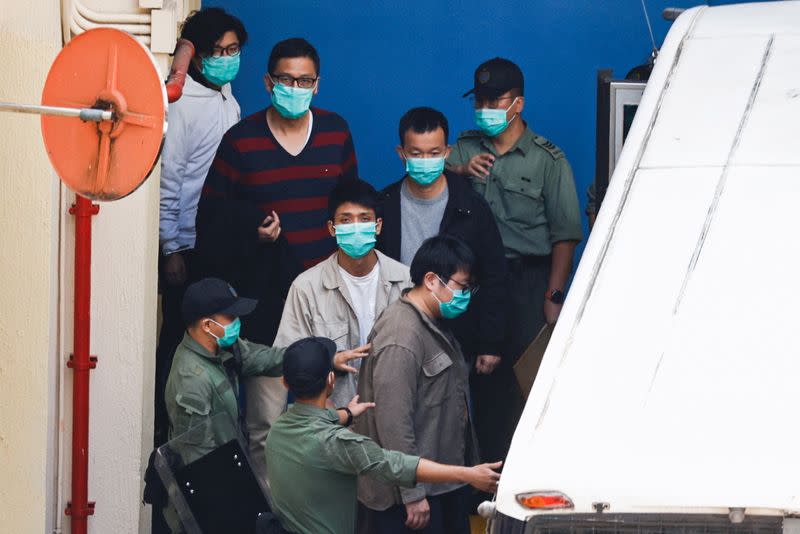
(382, 57)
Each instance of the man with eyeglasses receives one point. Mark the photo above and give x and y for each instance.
(528, 184)
(417, 378)
(263, 213)
(197, 122)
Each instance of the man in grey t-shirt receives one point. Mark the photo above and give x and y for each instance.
(420, 219)
(429, 201)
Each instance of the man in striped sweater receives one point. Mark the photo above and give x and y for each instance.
(263, 208)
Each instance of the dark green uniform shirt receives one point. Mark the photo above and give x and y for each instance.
(199, 387)
(530, 190)
(312, 466)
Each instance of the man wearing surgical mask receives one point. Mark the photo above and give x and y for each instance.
(341, 297)
(417, 377)
(429, 201)
(528, 184)
(263, 213)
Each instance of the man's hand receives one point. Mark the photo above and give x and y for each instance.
(340, 361)
(485, 364)
(357, 408)
(175, 269)
(418, 514)
(484, 477)
(551, 311)
(270, 229)
(480, 165)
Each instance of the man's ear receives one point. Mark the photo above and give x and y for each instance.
(447, 151)
(378, 226)
(430, 281)
(331, 229)
(331, 380)
(400, 153)
(316, 86)
(268, 85)
(285, 383)
(519, 105)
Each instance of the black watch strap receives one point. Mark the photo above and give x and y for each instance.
(349, 415)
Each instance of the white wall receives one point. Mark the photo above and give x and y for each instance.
(28, 272)
(36, 280)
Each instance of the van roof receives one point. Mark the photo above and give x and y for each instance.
(673, 374)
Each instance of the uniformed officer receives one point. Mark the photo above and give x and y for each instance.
(211, 359)
(528, 184)
(313, 460)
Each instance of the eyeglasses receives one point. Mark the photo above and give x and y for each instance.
(304, 82)
(472, 289)
(230, 50)
(491, 103)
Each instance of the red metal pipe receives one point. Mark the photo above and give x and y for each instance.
(79, 508)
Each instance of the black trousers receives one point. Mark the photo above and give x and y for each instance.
(496, 398)
(449, 515)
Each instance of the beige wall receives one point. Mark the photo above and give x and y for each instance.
(36, 278)
(28, 271)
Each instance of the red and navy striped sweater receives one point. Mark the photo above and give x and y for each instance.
(252, 166)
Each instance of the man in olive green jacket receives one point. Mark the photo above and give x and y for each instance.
(211, 359)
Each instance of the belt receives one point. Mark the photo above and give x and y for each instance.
(520, 262)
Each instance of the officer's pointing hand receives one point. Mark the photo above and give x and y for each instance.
(357, 408)
(480, 165)
(340, 361)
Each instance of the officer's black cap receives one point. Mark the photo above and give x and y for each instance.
(495, 77)
(211, 296)
(306, 365)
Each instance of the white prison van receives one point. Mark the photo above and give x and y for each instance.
(668, 399)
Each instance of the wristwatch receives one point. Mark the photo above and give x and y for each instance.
(349, 415)
(556, 296)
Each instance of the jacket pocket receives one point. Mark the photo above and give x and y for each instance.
(437, 381)
(522, 199)
(336, 332)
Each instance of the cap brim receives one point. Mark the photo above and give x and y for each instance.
(240, 308)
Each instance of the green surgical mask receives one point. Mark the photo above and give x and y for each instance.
(356, 239)
(493, 122)
(424, 171)
(291, 102)
(220, 70)
(231, 333)
(457, 305)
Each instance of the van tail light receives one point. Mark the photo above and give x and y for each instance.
(544, 500)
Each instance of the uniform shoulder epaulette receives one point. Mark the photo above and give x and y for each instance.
(549, 146)
(469, 133)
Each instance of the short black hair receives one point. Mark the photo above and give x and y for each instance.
(289, 48)
(423, 120)
(443, 255)
(356, 191)
(206, 26)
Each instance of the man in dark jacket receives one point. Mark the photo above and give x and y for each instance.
(430, 201)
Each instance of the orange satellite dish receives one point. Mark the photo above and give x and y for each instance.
(105, 69)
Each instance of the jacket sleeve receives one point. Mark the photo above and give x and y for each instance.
(260, 360)
(227, 227)
(395, 379)
(354, 454)
(492, 278)
(173, 164)
(295, 320)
